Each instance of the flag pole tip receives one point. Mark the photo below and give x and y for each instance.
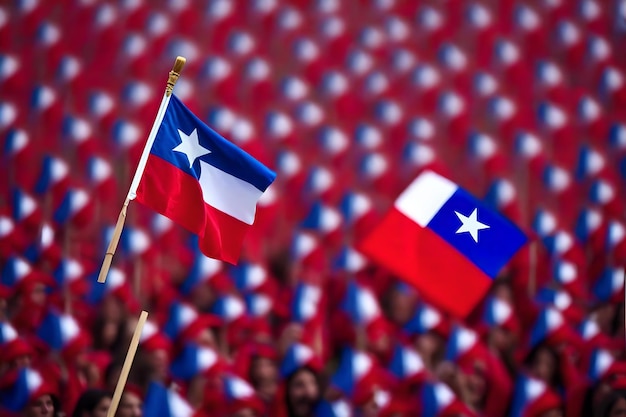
(179, 64)
(174, 74)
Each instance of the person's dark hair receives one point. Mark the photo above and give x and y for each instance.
(618, 319)
(609, 402)
(89, 400)
(291, 377)
(56, 404)
(117, 346)
(557, 380)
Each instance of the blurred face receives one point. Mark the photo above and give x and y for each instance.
(195, 391)
(202, 297)
(112, 309)
(40, 407)
(430, 347)
(619, 408)
(112, 379)
(369, 409)
(302, 393)
(22, 361)
(159, 363)
(401, 306)
(474, 384)
(265, 377)
(102, 408)
(38, 294)
(207, 338)
(501, 339)
(246, 412)
(130, 406)
(92, 375)
(600, 394)
(543, 366)
(553, 413)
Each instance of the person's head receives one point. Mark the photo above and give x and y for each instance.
(37, 294)
(202, 296)
(264, 377)
(206, 337)
(431, 347)
(502, 339)
(92, 403)
(17, 354)
(595, 396)
(472, 382)
(112, 375)
(543, 363)
(401, 305)
(41, 406)
(112, 309)
(614, 405)
(303, 392)
(153, 363)
(130, 405)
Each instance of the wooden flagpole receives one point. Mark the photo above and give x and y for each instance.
(117, 232)
(128, 362)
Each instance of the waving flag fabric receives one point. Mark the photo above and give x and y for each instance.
(162, 402)
(28, 385)
(338, 408)
(354, 367)
(407, 364)
(444, 241)
(296, 357)
(194, 360)
(203, 182)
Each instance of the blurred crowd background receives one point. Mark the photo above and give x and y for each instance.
(522, 102)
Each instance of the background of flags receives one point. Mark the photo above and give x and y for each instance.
(519, 102)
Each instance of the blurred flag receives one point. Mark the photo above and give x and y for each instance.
(162, 402)
(195, 360)
(610, 285)
(437, 233)
(354, 367)
(338, 408)
(603, 364)
(296, 357)
(203, 182)
(28, 385)
(76, 208)
(439, 400)
(407, 364)
(532, 396)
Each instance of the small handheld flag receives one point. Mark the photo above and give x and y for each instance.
(198, 179)
(203, 182)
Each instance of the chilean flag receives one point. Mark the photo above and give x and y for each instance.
(195, 360)
(27, 386)
(354, 367)
(163, 402)
(407, 364)
(203, 182)
(444, 241)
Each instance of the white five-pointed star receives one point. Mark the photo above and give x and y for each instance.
(190, 146)
(470, 224)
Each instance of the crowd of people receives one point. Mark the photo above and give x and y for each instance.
(518, 101)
